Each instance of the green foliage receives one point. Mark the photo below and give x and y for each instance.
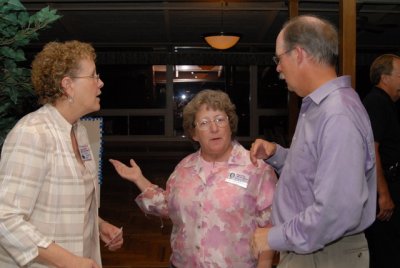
(17, 29)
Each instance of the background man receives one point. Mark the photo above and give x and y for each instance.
(384, 235)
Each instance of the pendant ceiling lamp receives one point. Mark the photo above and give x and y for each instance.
(221, 40)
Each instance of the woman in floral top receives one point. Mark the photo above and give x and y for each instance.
(215, 197)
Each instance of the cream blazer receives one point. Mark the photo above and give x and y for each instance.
(42, 195)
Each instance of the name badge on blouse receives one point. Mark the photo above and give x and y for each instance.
(85, 153)
(238, 179)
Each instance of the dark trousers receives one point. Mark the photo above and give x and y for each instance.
(384, 236)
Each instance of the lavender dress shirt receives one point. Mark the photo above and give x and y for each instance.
(327, 184)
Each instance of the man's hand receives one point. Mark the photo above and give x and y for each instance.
(386, 207)
(266, 259)
(261, 149)
(259, 242)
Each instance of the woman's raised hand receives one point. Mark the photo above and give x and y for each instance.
(132, 173)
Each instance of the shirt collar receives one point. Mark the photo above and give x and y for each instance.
(382, 92)
(237, 157)
(318, 95)
(59, 120)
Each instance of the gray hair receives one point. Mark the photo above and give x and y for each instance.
(315, 35)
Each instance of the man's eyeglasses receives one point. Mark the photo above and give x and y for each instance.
(95, 76)
(204, 124)
(277, 58)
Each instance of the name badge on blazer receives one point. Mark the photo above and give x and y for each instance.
(85, 153)
(241, 180)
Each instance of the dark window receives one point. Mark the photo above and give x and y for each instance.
(130, 87)
(274, 128)
(146, 125)
(272, 92)
(115, 125)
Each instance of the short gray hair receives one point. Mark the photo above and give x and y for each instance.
(315, 35)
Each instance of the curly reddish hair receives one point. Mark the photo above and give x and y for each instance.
(53, 63)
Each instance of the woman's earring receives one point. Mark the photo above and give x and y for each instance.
(70, 99)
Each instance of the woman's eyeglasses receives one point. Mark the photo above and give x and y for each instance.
(95, 76)
(204, 124)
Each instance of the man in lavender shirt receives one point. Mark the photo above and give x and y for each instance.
(326, 193)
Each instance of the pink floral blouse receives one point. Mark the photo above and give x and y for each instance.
(214, 207)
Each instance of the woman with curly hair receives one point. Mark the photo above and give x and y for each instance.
(48, 178)
(215, 197)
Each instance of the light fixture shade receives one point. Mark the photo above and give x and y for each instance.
(221, 40)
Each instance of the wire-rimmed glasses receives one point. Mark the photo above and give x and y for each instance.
(95, 76)
(277, 58)
(220, 120)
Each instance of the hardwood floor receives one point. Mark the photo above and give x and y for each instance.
(146, 244)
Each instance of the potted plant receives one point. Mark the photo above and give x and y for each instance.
(17, 29)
